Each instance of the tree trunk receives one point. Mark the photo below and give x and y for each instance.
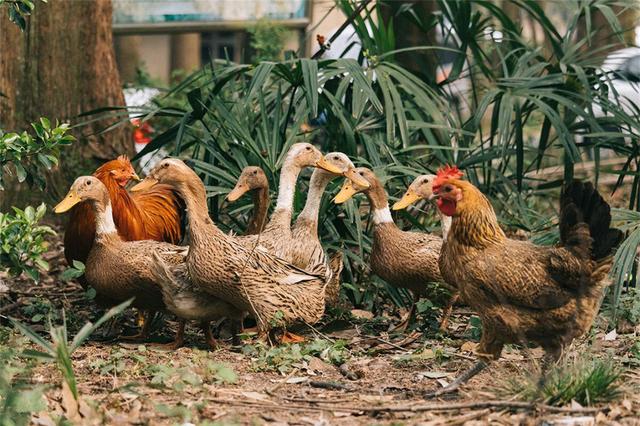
(61, 66)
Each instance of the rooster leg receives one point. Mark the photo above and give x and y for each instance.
(460, 380)
(211, 341)
(177, 342)
(404, 324)
(236, 327)
(446, 312)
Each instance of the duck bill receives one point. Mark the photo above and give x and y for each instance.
(146, 183)
(325, 165)
(355, 177)
(237, 192)
(68, 202)
(347, 191)
(407, 199)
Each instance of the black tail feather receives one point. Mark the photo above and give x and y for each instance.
(581, 203)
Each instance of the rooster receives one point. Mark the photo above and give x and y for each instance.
(154, 214)
(524, 292)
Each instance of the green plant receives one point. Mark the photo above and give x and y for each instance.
(267, 39)
(19, 10)
(526, 105)
(586, 380)
(28, 155)
(60, 349)
(284, 357)
(22, 241)
(19, 399)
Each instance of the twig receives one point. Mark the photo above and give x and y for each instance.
(476, 405)
(460, 420)
(328, 385)
(281, 382)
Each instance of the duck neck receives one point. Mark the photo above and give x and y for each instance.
(105, 226)
(319, 181)
(195, 198)
(286, 190)
(379, 205)
(260, 198)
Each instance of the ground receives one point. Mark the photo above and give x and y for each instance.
(348, 372)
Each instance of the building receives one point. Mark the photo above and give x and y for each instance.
(164, 36)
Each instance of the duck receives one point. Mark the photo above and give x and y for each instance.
(253, 179)
(275, 292)
(306, 250)
(119, 270)
(403, 259)
(188, 302)
(277, 236)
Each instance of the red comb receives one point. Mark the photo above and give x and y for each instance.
(446, 172)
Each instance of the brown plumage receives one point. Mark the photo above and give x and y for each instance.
(524, 292)
(148, 215)
(119, 270)
(273, 291)
(253, 180)
(187, 301)
(403, 259)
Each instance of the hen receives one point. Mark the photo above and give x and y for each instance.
(524, 292)
(148, 215)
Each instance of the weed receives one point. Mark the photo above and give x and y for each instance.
(283, 358)
(586, 380)
(474, 330)
(39, 309)
(220, 373)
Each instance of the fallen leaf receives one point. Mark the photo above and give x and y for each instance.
(442, 382)
(610, 336)
(294, 380)
(361, 314)
(468, 347)
(255, 395)
(575, 405)
(69, 403)
(341, 414)
(433, 374)
(627, 404)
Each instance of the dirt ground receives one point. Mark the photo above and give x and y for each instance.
(347, 372)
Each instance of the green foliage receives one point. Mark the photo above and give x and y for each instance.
(522, 107)
(60, 349)
(18, 398)
(74, 271)
(22, 241)
(267, 39)
(284, 358)
(28, 155)
(586, 380)
(19, 10)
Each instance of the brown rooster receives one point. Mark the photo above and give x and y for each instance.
(154, 214)
(524, 292)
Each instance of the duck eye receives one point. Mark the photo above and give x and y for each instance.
(336, 158)
(255, 172)
(361, 173)
(88, 183)
(165, 165)
(308, 148)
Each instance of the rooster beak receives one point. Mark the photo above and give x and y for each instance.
(69, 201)
(146, 183)
(407, 199)
(135, 177)
(347, 191)
(325, 165)
(237, 192)
(355, 177)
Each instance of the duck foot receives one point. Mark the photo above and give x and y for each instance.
(404, 324)
(144, 333)
(460, 380)
(446, 313)
(177, 343)
(208, 335)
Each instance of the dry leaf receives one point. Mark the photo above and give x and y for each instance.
(610, 336)
(255, 395)
(433, 374)
(468, 347)
(69, 403)
(294, 380)
(361, 314)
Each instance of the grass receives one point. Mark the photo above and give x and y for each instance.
(584, 379)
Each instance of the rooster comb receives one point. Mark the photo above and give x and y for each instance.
(124, 159)
(446, 172)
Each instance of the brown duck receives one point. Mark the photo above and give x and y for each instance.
(273, 291)
(403, 259)
(253, 180)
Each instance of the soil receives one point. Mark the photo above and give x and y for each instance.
(382, 380)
